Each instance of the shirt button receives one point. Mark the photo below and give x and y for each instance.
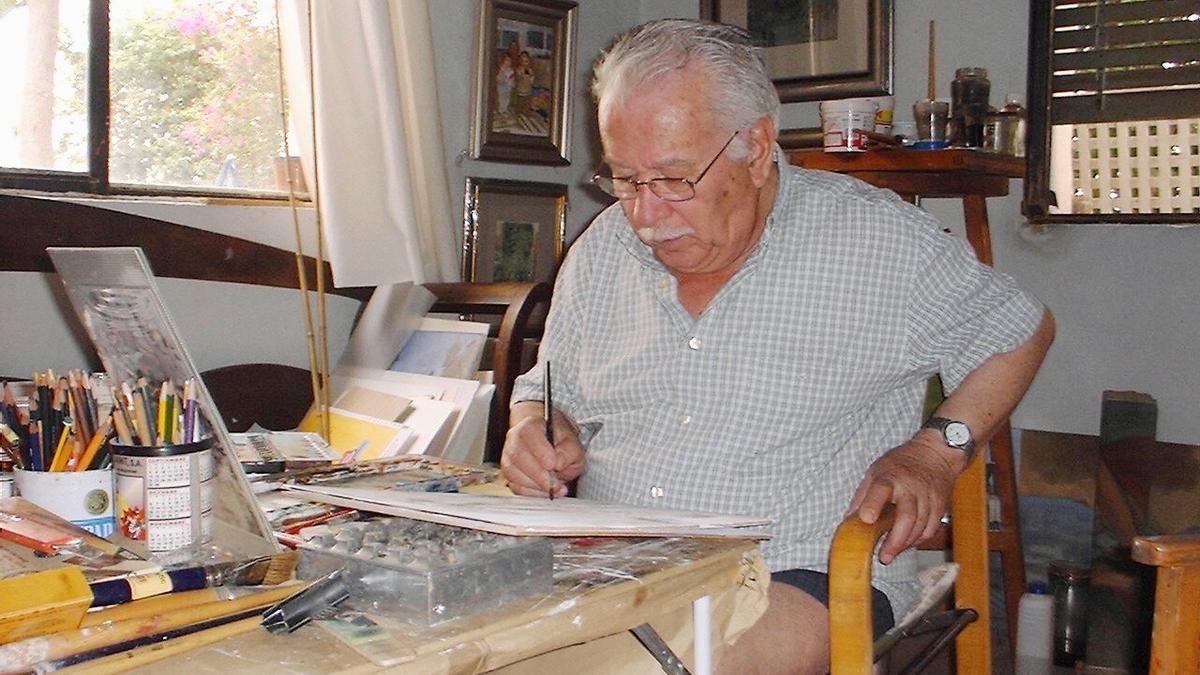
(687, 419)
(694, 343)
(656, 492)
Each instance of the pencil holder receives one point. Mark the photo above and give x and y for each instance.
(82, 497)
(164, 494)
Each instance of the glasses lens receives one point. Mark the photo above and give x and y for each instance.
(672, 189)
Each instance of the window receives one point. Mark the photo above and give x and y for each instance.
(1114, 128)
(147, 97)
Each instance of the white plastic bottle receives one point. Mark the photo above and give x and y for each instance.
(1035, 631)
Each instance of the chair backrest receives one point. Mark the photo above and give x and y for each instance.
(850, 558)
(514, 303)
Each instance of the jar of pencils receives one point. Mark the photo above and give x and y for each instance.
(164, 494)
(82, 497)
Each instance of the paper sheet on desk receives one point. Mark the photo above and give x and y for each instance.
(537, 516)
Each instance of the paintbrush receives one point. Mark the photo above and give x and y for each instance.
(268, 570)
(27, 653)
(57, 599)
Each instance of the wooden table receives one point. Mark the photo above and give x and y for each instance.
(972, 176)
(603, 588)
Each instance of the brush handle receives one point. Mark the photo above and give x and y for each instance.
(25, 654)
(133, 587)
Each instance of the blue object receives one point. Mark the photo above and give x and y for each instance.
(931, 145)
(1037, 588)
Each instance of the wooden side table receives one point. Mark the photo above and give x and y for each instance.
(971, 176)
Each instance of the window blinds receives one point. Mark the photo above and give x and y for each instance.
(1116, 60)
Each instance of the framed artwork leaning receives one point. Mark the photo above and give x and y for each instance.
(525, 57)
(512, 230)
(817, 50)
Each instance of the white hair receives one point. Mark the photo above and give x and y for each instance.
(741, 89)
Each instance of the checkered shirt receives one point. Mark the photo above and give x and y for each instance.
(807, 365)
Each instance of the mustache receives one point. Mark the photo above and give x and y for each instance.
(659, 233)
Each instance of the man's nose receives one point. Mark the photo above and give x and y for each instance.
(647, 208)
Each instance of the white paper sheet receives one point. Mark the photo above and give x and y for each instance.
(537, 516)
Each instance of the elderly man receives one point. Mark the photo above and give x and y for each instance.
(740, 335)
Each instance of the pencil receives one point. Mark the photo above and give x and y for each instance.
(61, 455)
(141, 418)
(548, 419)
(98, 438)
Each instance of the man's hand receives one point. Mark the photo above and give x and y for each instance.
(530, 465)
(917, 477)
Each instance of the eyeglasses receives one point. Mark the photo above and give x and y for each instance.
(666, 188)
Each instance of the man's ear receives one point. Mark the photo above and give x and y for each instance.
(762, 138)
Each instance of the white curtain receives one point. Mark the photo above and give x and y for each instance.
(384, 196)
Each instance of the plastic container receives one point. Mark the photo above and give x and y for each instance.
(82, 497)
(164, 494)
(1035, 629)
(424, 574)
(842, 123)
(885, 108)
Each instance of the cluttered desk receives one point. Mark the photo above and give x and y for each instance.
(190, 546)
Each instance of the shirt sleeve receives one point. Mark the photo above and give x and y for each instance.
(560, 344)
(963, 312)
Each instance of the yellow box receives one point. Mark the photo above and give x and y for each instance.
(42, 602)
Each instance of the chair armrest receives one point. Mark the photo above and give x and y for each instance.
(1175, 645)
(850, 558)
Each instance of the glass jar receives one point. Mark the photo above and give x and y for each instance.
(1069, 584)
(969, 106)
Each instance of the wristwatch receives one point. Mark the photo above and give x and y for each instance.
(956, 434)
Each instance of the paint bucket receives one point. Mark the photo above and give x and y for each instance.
(843, 121)
(164, 494)
(82, 497)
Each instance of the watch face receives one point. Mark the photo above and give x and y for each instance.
(957, 434)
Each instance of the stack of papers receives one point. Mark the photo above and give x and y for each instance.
(538, 516)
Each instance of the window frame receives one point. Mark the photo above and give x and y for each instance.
(95, 182)
(1035, 204)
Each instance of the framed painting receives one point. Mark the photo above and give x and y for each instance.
(817, 50)
(512, 230)
(525, 57)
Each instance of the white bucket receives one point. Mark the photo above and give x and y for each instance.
(842, 121)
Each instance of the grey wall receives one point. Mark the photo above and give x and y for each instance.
(1126, 299)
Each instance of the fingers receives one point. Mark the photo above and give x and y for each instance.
(533, 467)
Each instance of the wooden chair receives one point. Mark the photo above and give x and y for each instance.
(1175, 645)
(270, 394)
(514, 304)
(850, 558)
(274, 396)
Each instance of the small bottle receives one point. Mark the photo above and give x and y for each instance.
(1010, 127)
(1035, 631)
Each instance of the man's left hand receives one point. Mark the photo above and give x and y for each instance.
(917, 477)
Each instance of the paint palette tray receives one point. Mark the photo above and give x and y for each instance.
(424, 573)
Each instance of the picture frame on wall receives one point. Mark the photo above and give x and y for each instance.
(523, 72)
(512, 230)
(817, 50)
